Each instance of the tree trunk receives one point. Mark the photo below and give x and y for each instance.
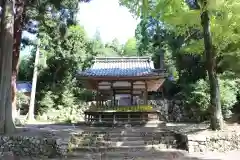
(34, 84)
(55, 77)
(215, 103)
(6, 45)
(2, 106)
(18, 25)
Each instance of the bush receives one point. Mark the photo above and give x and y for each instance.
(22, 101)
(61, 107)
(64, 114)
(48, 101)
(197, 97)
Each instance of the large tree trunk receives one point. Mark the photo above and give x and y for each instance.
(215, 104)
(18, 25)
(6, 45)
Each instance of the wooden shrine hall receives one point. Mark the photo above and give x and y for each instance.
(121, 85)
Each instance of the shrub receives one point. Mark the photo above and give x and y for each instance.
(22, 100)
(62, 107)
(48, 100)
(64, 114)
(197, 96)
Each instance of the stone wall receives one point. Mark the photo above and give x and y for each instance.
(30, 146)
(215, 141)
(175, 111)
(171, 110)
(52, 146)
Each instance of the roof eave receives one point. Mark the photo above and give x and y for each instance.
(122, 78)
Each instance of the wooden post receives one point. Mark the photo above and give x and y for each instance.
(100, 118)
(131, 93)
(146, 94)
(97, 95)
(114, 118)
(111, 95)
(87, 117)
(114, 98)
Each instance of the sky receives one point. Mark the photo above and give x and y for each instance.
(110, 19)
(106, 16)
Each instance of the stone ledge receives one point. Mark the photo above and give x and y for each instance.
(214, 141)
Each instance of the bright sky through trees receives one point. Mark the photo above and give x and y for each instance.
(109, 18)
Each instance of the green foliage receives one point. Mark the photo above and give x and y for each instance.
(62, 114)
(182, 43)
(65, 49)
(197, 95)
(61, 108)
(26, 68)
(48, 101)
(22, 100)
(113, 49)
(130, 48)
(64, 60)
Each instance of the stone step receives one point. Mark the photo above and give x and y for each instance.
(146, 140)
(106, 140)
(122, 143)
(111, 144)
(149, 127)
(125, 148)
(150, 154)
(133, 128)
(123, 138)
(114, 139)
(126, 133)
(125, 143)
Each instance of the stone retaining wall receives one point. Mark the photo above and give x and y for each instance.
(53, 146)
(30, 146)
(219, 141)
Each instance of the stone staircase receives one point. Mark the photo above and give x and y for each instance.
(123, 143)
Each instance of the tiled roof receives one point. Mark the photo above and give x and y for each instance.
(24, 87)
(120, 67)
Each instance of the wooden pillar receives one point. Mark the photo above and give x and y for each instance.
(131, 92)
(114, 97)
(114, 118)
(145, 94)
(100, 117)
(97, 95)
(111, 94)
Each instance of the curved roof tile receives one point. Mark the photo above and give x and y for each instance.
(120, 67)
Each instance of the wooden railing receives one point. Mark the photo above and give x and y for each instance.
(119, 117)
(136, 108)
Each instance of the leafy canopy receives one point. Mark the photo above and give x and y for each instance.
(183, 15)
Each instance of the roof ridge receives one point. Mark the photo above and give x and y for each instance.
(106, 59)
